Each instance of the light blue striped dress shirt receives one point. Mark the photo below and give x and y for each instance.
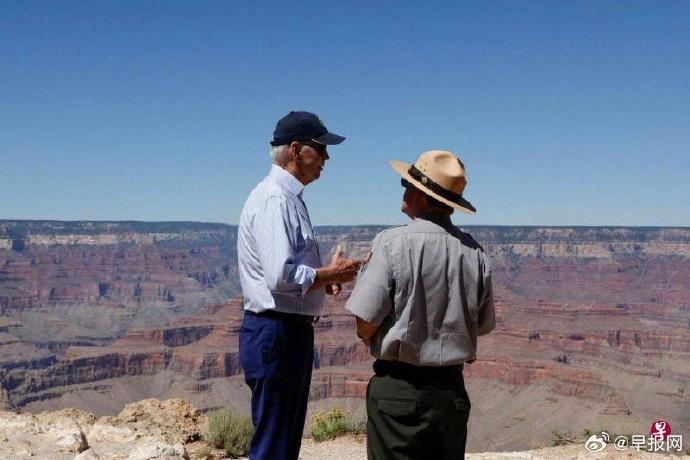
(276, 248)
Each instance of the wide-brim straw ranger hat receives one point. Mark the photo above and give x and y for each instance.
(439, 174)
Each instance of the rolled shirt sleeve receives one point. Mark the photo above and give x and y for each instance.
(371, 297)
(276, 232)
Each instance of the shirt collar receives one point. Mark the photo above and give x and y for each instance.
(440, 219)
(286, 180)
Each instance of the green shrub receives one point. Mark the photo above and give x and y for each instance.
(358, 426)
(334, 423)
(230, 432)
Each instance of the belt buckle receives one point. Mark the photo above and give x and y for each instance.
(315, 320)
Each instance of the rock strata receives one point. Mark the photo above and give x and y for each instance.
(593, 324)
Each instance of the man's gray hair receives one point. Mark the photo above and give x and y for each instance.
(279, 154)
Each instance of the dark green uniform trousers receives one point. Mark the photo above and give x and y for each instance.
(416, 412)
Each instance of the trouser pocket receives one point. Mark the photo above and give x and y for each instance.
(397, 408)
(261, 346)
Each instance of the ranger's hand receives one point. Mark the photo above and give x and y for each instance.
(334, 289)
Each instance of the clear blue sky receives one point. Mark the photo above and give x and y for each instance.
(565, 113)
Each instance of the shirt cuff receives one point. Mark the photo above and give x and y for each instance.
(305, 278)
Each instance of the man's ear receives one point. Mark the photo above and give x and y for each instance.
(295, 148)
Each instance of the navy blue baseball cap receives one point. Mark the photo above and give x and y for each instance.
(303, 126)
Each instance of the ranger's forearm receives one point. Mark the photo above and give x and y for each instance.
(365, 330)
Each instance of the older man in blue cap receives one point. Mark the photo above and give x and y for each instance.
(284, 283)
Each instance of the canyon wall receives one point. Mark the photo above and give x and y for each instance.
(593, 320)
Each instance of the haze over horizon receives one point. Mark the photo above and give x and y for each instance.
(182, 222)
(564, 113)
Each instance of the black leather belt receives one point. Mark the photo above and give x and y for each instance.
(307, 319)
(404, 370)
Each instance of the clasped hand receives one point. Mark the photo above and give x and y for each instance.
(341, 270)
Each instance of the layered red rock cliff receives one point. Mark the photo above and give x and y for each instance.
(600, 316)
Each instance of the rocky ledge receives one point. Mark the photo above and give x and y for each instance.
(172, 429)
(147, 429)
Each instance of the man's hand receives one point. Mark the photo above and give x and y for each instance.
(339, 270)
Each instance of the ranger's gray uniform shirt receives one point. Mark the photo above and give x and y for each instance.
(428, 286)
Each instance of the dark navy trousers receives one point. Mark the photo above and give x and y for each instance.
(277, 356)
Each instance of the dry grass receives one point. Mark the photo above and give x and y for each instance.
(230, 432)
(336, 422)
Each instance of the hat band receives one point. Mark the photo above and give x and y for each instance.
(433, 186)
